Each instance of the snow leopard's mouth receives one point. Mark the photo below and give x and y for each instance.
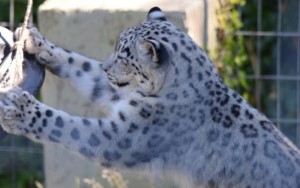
(115, 82)
(122, 84)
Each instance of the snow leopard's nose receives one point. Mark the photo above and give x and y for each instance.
(108, 62)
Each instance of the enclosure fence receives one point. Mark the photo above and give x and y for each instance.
(285, 79)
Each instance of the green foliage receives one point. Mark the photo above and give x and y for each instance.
(231, 56)
(20, 9)
(20, 169)
(237, 56)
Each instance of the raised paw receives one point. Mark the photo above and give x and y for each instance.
(10, 118)
(16, 111)
(20, 99)
(11, 113)
(34, 41)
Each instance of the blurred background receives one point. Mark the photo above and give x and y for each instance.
(254, 43)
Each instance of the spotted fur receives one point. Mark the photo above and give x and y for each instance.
(168, 110)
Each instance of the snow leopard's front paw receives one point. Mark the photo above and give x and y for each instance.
(34, 41)
(17, 111)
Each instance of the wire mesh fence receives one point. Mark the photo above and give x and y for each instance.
(276, 74)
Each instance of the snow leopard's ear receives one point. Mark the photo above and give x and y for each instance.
(156, 14)
(152, 51)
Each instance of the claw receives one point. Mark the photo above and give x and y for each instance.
(7, 102)
(26, 97)
(11, 113)
(13, 97)
(18, 97)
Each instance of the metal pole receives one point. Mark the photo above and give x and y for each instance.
(298, 81)
(258, 57)
(13, 154)
(11, 15)
(278, 66)
(205, 37)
